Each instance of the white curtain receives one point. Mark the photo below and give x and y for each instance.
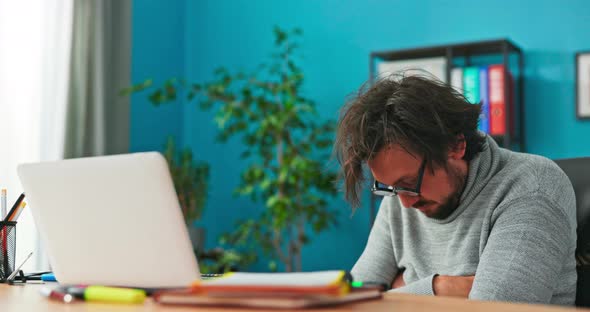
(97, 118)
(35, 40)
(62, 64)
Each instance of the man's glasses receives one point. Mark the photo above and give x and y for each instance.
(381, 189)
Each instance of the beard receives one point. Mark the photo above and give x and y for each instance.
(451, 202)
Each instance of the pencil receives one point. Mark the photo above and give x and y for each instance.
(17, 203)
(20, 209)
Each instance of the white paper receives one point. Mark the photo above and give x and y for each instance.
(319, 278)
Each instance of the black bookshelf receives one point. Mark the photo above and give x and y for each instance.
(461, 55)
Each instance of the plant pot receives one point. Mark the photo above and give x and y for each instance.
(197, 235)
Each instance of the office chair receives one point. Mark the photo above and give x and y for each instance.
(578, 171)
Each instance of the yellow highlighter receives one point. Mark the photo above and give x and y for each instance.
(114, 295)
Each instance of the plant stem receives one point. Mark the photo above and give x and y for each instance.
(300, 234)
(286, 259)
(276, 242)
(291, 248)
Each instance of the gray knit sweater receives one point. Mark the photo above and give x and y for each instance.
(514, 229)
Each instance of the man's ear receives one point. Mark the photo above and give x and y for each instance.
(458, 150)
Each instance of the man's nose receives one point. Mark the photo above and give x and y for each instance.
(408, 201)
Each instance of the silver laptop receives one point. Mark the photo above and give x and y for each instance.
(112, 220)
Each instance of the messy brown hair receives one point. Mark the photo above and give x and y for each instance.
(424, 116)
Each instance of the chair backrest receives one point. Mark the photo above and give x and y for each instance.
(578, 171)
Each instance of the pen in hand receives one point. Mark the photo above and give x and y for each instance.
(365, 285)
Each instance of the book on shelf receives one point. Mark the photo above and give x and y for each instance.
(479, 84)
(497, 84)
(457, 79)
(471, 84)
(484, 99)
(485, 85)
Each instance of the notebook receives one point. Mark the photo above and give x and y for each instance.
(269, 300)
(270, 290)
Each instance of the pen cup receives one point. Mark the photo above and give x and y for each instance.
(7, 248)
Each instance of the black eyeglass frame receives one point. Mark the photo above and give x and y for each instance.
(381, 189)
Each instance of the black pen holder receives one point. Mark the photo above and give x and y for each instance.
(7, 248)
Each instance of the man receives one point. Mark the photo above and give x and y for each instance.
(461, 216)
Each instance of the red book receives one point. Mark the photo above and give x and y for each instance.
(498, 102)
(263, 300)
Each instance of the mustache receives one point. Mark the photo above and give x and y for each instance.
(421, 203)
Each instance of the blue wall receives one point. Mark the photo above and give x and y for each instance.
(157, 52)
(338, 37)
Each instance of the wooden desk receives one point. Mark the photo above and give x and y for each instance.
(27, 298)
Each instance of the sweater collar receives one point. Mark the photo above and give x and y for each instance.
(480, 171)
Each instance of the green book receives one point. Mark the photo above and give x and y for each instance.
(471, 84)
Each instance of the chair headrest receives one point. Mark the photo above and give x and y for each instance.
(578, 171)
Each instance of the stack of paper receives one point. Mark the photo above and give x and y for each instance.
(270, 290)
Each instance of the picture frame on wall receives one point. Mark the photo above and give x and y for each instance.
(583, 85)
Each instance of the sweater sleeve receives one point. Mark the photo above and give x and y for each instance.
(377, 262)
(529, 244)
(420, 287)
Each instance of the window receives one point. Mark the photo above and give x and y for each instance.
(34, 55)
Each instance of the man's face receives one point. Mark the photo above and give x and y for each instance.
(440, 190)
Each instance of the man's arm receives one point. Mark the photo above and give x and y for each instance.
(422, 286)
(442, 285)
(377, 262)
(529, 244)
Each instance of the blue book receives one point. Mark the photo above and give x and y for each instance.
(484, 97)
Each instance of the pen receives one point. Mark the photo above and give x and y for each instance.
(17, 204)
(20, 209)
(15, 272)
(107, 294)
(55, 294)
(48, 277)
(364, 285)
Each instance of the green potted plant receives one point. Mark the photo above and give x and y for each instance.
(286, 148)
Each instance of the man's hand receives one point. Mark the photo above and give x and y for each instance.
(458, 286)
(398, 281)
